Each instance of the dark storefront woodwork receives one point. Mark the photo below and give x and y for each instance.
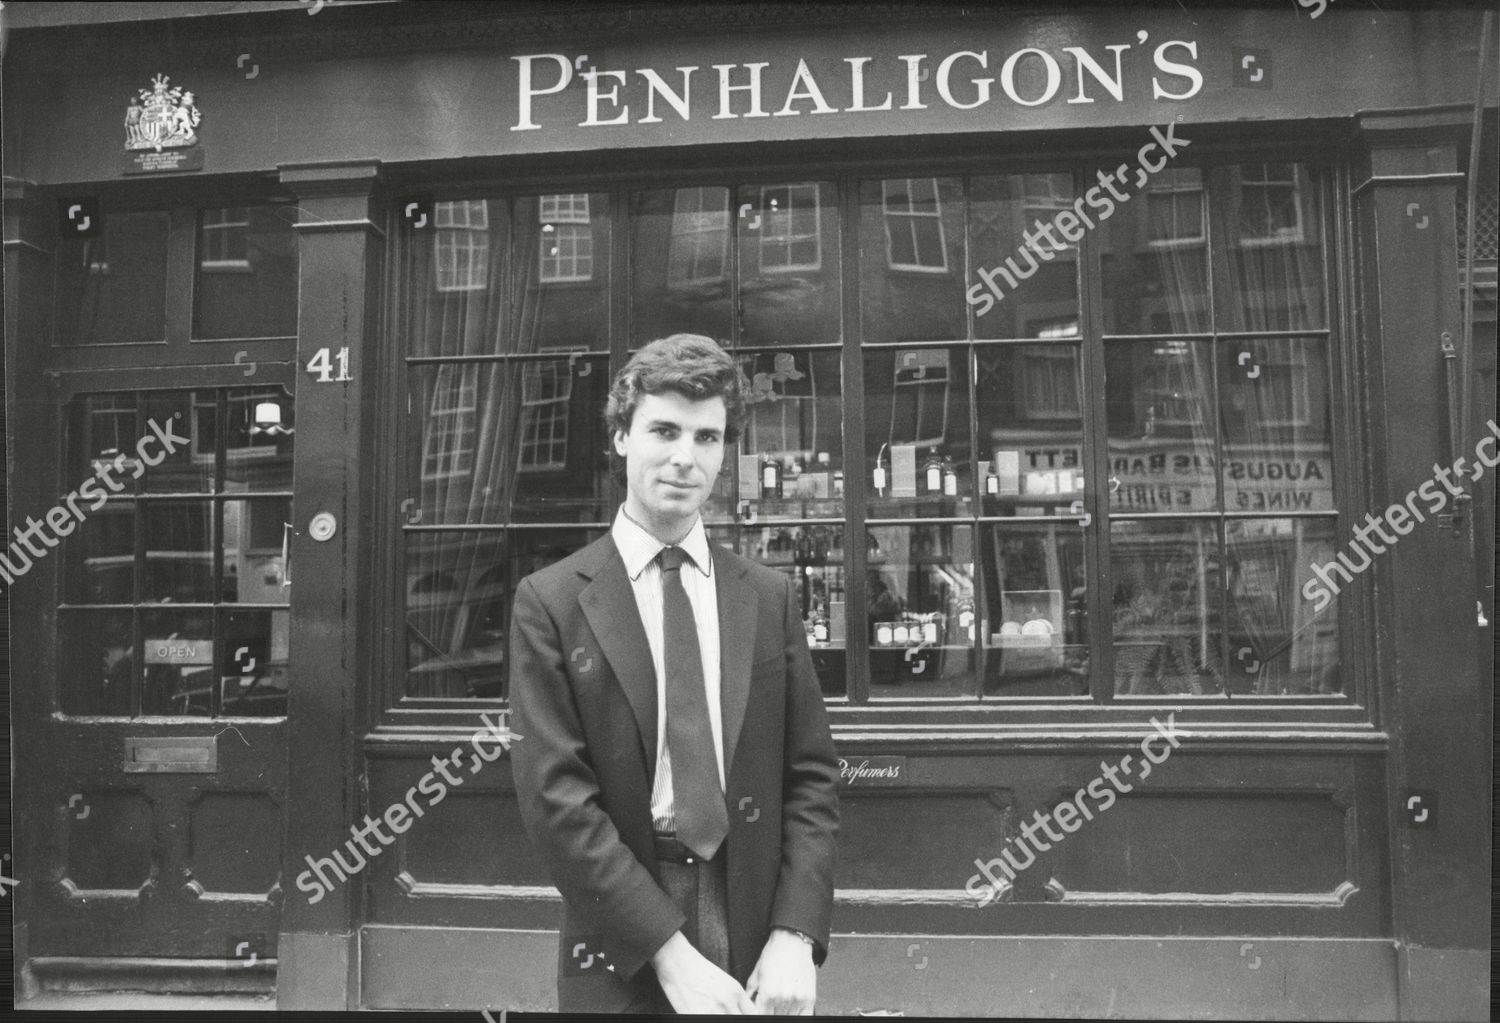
(1061, 443)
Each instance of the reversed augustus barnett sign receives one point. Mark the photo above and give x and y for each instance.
(868, 771)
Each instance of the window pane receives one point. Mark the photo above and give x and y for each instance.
(1034, 611)
(253, 538)
(790, 455)
(1276, 249)
(561, 287)
(1159, 401)
(247, 272)
(99, 556)
(179, 661)
(190, 416)
(1154, 260)
(1023, 274)
(459, 589)
(112, 288)
(919, 579)
(1277, 442)
(260, 430)
(97, 662)
(917, 432)
(814, 557)
(1168, 621)
(1030, 429)
(453, 280)
(522, 442)
(1280, 643)
(101, 427)
(911, 259)
(680, 263)
(253, 673)
(789, 263)
(179, 565)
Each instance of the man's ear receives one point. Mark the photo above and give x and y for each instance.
(620, 443)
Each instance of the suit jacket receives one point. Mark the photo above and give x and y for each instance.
(583, 696)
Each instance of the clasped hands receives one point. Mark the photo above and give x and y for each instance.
(783, 983)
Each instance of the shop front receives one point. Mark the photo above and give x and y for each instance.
(1082, 345)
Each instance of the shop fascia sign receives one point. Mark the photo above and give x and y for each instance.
(961, 80)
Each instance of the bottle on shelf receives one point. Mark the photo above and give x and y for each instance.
(950, 478)
(966, 616)
(819, 624)
(932, 473)
(879, 476)
(770, 478)
(991, 480)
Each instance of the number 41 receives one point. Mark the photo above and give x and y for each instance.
(322, 364)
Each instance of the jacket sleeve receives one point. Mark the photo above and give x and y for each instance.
(809, 798)
(600, 878)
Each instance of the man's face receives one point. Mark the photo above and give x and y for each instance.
(672, 453)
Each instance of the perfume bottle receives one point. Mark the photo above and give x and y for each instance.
(770, 478)
(879, 477)
(932, 472)
(991, 481)
(966, 616)
(820, 624)
(950, 478)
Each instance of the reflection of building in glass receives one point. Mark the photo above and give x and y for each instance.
(566, 245)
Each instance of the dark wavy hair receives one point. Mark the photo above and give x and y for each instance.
(691, 365)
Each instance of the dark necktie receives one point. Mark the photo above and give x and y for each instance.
(697, 799)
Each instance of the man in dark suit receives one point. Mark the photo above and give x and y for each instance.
(677, 773)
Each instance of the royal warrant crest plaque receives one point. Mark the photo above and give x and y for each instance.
(161, 130)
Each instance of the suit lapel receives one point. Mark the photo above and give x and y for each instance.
(608, 603)
(737, 624)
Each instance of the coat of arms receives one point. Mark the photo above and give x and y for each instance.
(161, 118)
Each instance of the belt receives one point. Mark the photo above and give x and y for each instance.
(669, 849)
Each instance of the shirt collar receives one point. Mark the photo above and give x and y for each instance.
(638, 548)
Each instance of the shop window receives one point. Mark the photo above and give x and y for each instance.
(461, 246)
(974, 566)
(567, 242)
(175, 576)
(790, 241)
(914, 226)
(699, 250)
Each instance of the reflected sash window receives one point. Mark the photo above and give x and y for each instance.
(1175, 205)
(920, 397)
(789, 239)
(566, 244)
(546, 390)
(225, 242)
(914, 238)
(699, 249)
(1045, 196)
(461, 248)
(1270, 205)
(448, 448)
(1049, 383)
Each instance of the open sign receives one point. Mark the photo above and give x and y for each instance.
(179, 650)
